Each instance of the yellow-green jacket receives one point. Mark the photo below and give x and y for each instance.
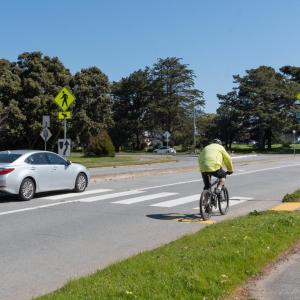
(212, 157)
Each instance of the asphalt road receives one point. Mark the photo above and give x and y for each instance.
(56, 237)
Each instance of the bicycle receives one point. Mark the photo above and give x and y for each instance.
(209, 199)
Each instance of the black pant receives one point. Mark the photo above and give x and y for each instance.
(206, 176)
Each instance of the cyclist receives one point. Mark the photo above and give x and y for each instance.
(211, 159)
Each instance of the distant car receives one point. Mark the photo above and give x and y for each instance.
(26, 172)
(164, 150)
(252, 143)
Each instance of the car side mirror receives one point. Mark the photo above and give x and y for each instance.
(68, 162)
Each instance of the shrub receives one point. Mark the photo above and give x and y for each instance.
(100, 145)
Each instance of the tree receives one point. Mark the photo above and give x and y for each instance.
(131, 107)
(229, 120)
(41, 79)
(11, 116)
(92, 110)
(265, 102)
(174, 96)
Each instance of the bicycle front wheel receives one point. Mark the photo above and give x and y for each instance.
(223, 201)
(205, 205)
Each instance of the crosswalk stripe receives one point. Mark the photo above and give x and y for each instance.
(109, 196)
(231, 203)
(144, 198)
(70, 195)
(178, 201)
(241, 198)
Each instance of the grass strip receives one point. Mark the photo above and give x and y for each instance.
(122, 160)
(294, 197)
(207, 265)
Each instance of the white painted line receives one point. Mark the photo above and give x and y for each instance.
(35, 207)
(240, 198)
(235, 174)
(243, 156)
(171, 184)
(144, 198)
(235, 202)
(109, 196)
(231, 203)
(178, 201)
(71, 195)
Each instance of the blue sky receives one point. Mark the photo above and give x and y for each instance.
(216, 38)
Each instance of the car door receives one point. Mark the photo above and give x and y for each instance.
(41, 171)
(64, 174)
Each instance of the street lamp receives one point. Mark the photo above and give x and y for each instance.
(294, 135)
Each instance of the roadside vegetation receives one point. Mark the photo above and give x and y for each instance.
(209, 264)
(119, 160)
(294, 197)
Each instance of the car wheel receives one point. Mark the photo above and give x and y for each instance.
(80, 183)
(27, 189)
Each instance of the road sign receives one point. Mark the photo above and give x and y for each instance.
(45, 134)
(298, 96)
(64, 99)
(46, 121)
(64, 115)
(167, 135)
(64, 147)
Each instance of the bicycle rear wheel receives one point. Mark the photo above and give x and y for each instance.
(223, 201)
(205, 205)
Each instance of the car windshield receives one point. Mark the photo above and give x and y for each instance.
(8, 157)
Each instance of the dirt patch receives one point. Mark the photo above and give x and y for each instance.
(253, 288)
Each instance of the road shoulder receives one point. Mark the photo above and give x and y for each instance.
(278, 280)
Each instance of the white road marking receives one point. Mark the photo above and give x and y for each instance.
(144, 198)
(231, 203)
(178, 201)
(70, 195)
(235, 174)
(109, 196)
(240, 198)
(243, 156)
(35, 207)
(141, 190)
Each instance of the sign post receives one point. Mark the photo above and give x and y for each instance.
(46, 133)
(294, 138)
(167, 135)
(64, 99)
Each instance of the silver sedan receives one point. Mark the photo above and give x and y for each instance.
(26, 172)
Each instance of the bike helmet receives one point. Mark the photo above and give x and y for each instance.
(217, 141)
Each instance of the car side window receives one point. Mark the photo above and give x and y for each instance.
(37, 159)
(55, 159)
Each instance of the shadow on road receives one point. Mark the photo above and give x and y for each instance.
(173, 216)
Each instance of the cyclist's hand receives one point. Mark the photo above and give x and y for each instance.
(229, 173)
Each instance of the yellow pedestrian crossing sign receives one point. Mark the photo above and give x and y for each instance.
(64, 115)
(64, 99)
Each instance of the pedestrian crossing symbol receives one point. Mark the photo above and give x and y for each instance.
(64, 99)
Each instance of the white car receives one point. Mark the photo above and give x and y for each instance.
(164, 150)
(26, 172)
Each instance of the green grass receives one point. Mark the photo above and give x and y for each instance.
(207, 265)
(119, 160)
(294, 197)
(276, 149)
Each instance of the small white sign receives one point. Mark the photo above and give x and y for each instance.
(64, 147)
(46, 134)
(167, 134)
(46, 121)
